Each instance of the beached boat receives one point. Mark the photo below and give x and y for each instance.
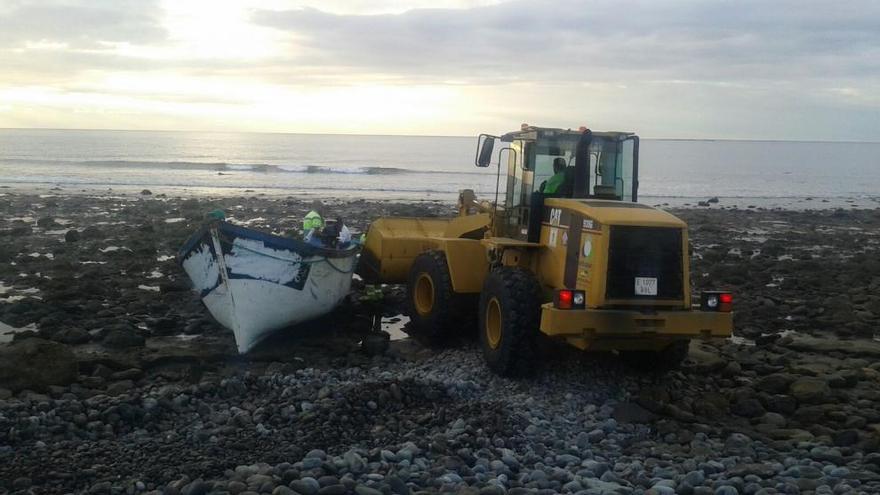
(255, 283)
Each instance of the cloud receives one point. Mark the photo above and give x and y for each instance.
(596, 41)
(690, 68)
(83, 24)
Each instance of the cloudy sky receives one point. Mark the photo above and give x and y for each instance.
(786, 69)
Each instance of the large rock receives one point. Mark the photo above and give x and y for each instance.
(810, 390)
(72, 336)
(854, 347)
(776, 383)
(630, 412)
(782, 404)
(35, 364)
(749, 408)
(122, 338)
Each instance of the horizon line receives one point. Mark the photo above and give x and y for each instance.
(417, 135)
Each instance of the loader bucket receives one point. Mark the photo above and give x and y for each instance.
(393, 243)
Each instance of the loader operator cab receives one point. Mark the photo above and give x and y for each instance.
(600, 165)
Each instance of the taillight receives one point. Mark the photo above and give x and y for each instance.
(716, 301)
(570, 299)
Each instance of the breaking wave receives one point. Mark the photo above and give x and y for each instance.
(223, 167)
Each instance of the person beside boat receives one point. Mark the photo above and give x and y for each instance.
(312, 223)
(330, 233)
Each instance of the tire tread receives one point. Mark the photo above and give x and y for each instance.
(519, 294)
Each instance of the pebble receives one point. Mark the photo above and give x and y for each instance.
(306, 485)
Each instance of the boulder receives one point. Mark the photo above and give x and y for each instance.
(782, 404)
(630, 412)
(776, 383)
(72, 336)
(845, 438)
(810, 390)
(35, 364)
(749, 408)
(46, 222)
(375, 343)
(92, 232)
(120, 338)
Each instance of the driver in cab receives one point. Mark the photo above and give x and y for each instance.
(554, 185)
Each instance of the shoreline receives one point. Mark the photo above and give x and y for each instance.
(793, 203)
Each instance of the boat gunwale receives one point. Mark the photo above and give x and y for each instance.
(269, 240)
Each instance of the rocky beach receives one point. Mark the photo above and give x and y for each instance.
(115, 380)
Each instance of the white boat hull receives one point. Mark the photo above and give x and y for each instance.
(258, 283)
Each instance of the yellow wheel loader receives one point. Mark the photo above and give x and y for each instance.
(585, 264)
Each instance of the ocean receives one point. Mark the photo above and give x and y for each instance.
(419, 167)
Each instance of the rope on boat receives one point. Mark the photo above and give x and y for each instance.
(287, 260)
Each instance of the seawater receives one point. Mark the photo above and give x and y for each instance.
(414, 167)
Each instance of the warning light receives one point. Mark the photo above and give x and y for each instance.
(570, 299)
(565, 298)
(716, 301)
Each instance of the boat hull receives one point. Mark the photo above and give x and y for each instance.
(255, 283)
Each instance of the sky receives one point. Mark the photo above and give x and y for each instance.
(743, 69)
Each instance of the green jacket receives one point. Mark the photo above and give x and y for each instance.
(554, 183)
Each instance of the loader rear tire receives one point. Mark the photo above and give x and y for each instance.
(509, 317)
(430, 298)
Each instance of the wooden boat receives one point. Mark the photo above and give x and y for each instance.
(255, 283)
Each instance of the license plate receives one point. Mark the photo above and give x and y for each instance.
(646, 286)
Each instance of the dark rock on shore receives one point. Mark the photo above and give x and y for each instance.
(36, 364)
(123, 337)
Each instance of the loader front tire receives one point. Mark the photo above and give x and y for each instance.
(430, 296)
(509, 317)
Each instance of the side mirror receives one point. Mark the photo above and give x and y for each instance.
(485, 146)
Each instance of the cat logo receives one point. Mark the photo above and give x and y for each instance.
(555, 216)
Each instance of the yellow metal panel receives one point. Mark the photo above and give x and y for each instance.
(668, 303)
(618, 213)
(505, 242)
(518, 257)
(462, 225)
(551, 261)
(686, 265)
(594, 324)
(468, 264)
(393, 243)
(596, 291)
